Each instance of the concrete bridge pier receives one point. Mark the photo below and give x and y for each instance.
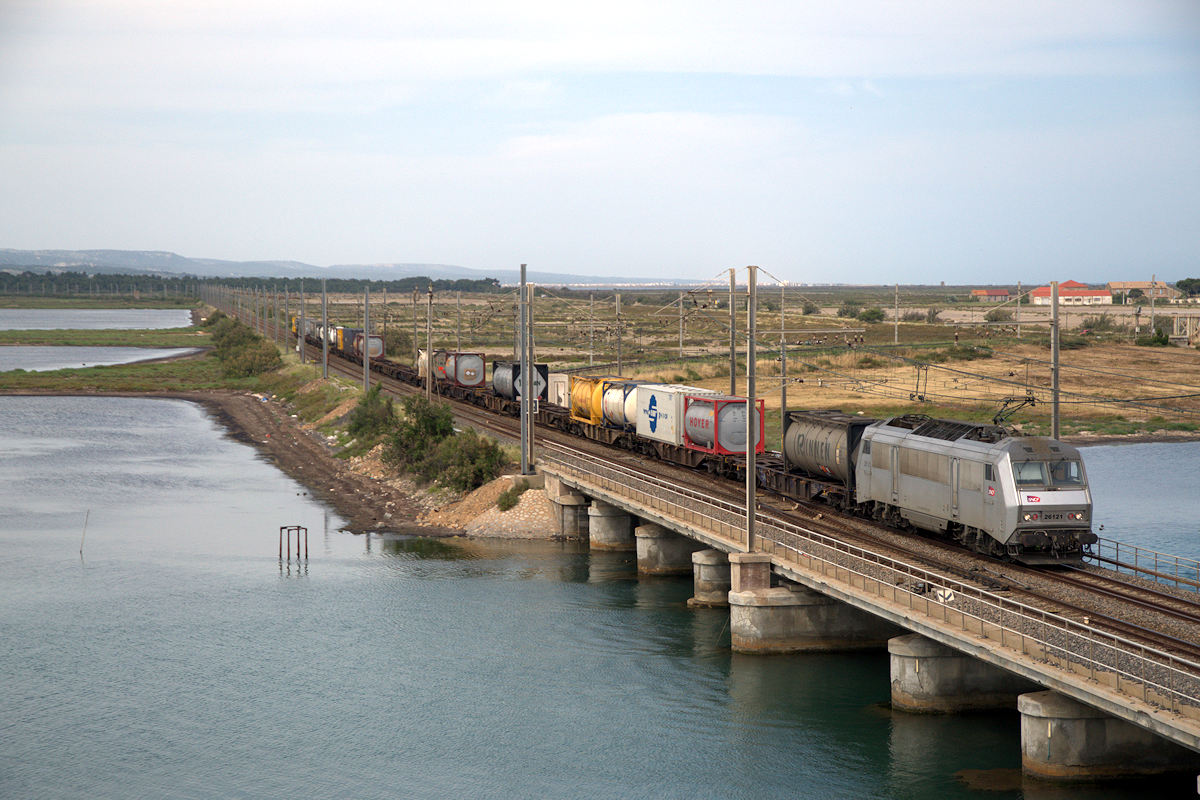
(930, 678)
(661, 551)
(570, 507)
(793, 619)
(610, 527)
(1067, 741)
(710, 577)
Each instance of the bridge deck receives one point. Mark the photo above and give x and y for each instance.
(1148, 688)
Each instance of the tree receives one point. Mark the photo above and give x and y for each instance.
(871, 315)
(1189, 286)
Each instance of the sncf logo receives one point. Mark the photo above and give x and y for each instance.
(1032, 498)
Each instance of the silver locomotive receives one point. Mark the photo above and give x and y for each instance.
(1019, 497)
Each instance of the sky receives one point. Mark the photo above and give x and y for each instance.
(863, 141)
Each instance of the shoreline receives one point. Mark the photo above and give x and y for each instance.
(377, 504)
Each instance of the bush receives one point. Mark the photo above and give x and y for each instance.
(998, 315)
(849, 309)
(809, 308)
(465, 461)
(374, 415)
(912, 316)
(931, 316)
(421, 427)
(253, 358)
(425, 444)
(512, 495)
(871, 315)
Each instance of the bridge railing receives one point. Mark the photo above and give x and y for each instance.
(1133, 669)
(1178, 571)
(722, 519)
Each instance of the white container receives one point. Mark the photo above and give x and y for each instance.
(620, 403)
(660, 410)
(464, 369)
(559, 391)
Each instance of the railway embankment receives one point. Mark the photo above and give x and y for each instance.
(361, 489)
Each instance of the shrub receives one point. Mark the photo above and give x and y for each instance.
(849, 309)
(871, 315)
(253, 358)
(421, 427)
(465, 461)
(912, 316)
(931, 316)
(998, 315)
(374, 414)
(512, 495)
(809, 308)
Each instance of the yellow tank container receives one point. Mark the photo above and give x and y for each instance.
(587, 398)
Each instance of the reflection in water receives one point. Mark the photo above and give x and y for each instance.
(419, 547)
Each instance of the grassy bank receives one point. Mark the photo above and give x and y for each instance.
(166, 337)
(98, 301)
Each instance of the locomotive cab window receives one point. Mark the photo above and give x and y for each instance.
(987, 472)
(1066, 474)
(1029, 473)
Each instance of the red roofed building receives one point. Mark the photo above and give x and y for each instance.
(991, 295)
(1072, 293)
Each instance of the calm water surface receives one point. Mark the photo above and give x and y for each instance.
(43, 358)
(178, 658)
(41, 319)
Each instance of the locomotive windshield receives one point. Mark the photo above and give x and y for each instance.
(1043, 475)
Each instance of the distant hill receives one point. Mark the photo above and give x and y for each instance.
(160, 262)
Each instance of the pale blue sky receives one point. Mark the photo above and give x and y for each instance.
(861, 142)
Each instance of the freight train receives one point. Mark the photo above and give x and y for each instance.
(1023, 498)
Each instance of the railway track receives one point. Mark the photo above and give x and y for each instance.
(1123, 607)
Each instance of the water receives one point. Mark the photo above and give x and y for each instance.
(39, 358)
(1146, 495)
(42, 319)
(178, 658)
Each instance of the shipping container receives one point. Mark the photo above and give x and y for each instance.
(660, 410)
(374, 345)
(717, 424)
(506, 380)
(619, 403)
(439, 364)
(464, 369)
(558, 389)
(824, 443)
(587, 398)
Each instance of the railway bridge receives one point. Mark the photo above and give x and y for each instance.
(1092, 704)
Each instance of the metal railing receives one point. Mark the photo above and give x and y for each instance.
(1134, 670)
(1178, 571)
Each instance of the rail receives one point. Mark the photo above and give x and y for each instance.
(1134, 670)
(1182, 572)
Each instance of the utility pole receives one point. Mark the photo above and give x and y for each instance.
(896, 318)
(429, 348)
(681, 326)
(383, 339)
(751, 408)
(300, 327)
(591, 328)
(1020, 299)
(458, 326)
(366, 351)
(782, 366)
(527, 376)
(1054, 359)
(324, 332)
(1153, 330)
(523, 355)
(732, 334)
(428, 356)
(275, 313)
(620, 362)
